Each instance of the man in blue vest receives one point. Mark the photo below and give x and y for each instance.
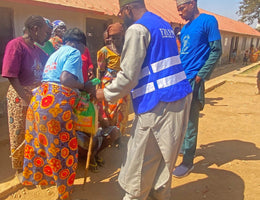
(200, 51)
(161, 96)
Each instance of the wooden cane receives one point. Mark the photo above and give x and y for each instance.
(88, 159)
(98, 73)
(90, 144)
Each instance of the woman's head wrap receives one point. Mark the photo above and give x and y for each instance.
(57, 23)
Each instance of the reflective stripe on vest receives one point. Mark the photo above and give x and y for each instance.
(160, 65)
(162, 83)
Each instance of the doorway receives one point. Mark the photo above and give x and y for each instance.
(233, 49)
(95, 40)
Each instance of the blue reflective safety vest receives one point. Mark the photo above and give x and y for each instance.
(162, 77)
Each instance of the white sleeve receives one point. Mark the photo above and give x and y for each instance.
(137, 39)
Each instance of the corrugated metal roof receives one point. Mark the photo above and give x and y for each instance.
(230, 25)
(165, 8)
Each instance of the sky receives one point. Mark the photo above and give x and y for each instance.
(227, 8)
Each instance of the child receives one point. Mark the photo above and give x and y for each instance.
(246, 56)
(233, 56)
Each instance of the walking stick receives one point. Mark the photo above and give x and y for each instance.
(88, 159)
(90, 143)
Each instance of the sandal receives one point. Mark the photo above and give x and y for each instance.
(99, 161)
(93, 167)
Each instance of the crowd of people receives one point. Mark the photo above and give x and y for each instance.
(46, 68)
(161, 70)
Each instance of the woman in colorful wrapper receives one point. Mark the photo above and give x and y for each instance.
(108, 60)
(23, 65)
(51, 148)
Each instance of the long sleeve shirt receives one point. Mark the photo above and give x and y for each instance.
(137, 39)
(214, 55)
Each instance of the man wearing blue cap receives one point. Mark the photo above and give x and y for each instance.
(200, 51)
(161, 95)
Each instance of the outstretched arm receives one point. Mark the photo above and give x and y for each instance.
(137, 39)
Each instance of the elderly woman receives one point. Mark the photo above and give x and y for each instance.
(23, 65)
(51, 149)
(108, 60)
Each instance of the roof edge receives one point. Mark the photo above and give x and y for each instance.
(57, 6)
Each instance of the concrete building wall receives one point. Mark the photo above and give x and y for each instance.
(226, 41)
(243, 43)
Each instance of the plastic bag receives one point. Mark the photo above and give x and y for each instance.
(86, 114)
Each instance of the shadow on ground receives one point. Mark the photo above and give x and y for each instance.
(219, 184)
(104, 182)
(6, 172)
(212, 102)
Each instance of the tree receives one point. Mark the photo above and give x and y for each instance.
(249, 10)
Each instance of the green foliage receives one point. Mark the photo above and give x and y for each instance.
(249, 10)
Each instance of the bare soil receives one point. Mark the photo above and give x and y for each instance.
(227, 163)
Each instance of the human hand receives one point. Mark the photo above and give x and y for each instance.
(197, 79)
(26, 100)
(100, 95)
(90, 88)
(90, 74)
(27, 97)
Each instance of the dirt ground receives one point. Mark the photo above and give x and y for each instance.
(227, 163)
